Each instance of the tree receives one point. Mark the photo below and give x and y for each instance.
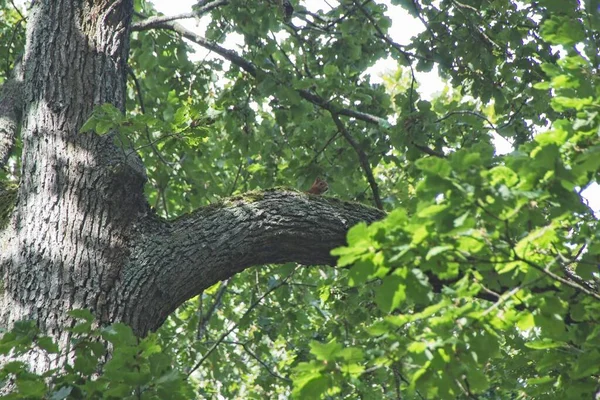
(481, 281)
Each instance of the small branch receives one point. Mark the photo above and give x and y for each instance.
(138, 89)
(17, 10)
(507, 295)
(235, 324)
(477, 25)
(429, 151)
(546, 270)
(382, 35)
(362, 158)
(319, 101)
(229, 55)
(10, 44)
(237, 177)
(216, 303)
(261, 362)
(157, 140)
(154, 22)
(469, 112)
(331, 139)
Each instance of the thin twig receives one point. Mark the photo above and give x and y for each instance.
(213, 307)
(331, 139)
(261, 362)
(235, 324)
(151, 22)
(17, 10)
(362, 158)
(546, 270)
(237, 176)
(507, 295)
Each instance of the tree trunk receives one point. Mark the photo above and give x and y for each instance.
(81, 234)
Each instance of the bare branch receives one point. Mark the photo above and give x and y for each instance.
(153, 22)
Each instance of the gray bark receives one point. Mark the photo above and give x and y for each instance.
(82, 235)
(173, 261)
(11, 104)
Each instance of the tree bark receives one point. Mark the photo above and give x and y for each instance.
(81, 234)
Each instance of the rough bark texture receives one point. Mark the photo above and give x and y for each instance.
(81, 234)
(68, 237)
(172, 262)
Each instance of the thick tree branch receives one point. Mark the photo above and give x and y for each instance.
(181, 258)
(11, 106)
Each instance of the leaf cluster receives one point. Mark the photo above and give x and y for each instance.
(98, 363)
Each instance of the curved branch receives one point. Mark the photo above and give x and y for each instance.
(177, 260)
(253, 70)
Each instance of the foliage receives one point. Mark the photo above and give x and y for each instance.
(482, 282)
(12, 38)
(136, 369)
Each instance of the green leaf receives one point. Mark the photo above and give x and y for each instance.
(358, 234)
(86, 315)
(31, 389)
(434, 251)
(46, 343)
(119, 334)
(325, 351)
(89, 125)
(104, 126)
(61, 393)
(360, 272)
(82, 328)
(587, 365)
(390, 294)
(526, 321)
(331, 69)
(562, 30)
(544, 344)
(417, 347)
(435, 166)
